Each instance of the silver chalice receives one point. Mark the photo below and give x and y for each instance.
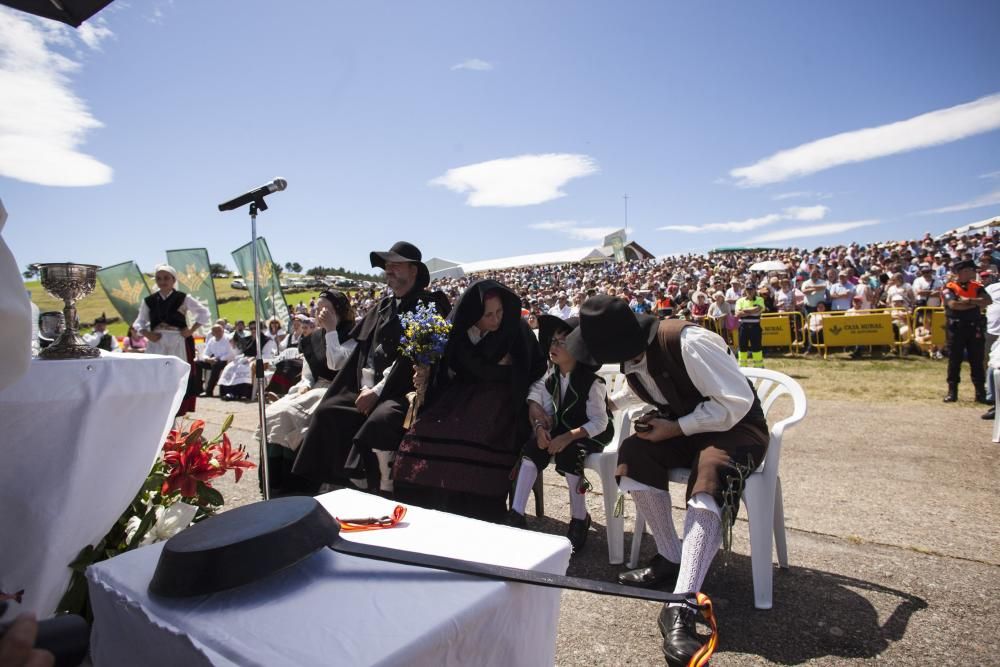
(69, 282)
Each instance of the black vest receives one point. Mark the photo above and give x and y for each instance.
(313, 348)
(105, 343)
(571, 410)
(166, 311)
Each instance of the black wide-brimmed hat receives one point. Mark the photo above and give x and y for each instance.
(610, 332)
(402, 251)
(550, 325)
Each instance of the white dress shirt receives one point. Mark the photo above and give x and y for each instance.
(218, 348)
(713, 372)
(597, 411)
(189, 305)
(337, 354)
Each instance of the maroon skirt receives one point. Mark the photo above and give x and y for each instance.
(464, 442)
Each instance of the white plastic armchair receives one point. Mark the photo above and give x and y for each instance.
(762, 493)
(604, 464)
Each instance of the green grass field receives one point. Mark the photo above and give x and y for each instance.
(884, 378)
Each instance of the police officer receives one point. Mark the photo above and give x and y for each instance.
(965, 301)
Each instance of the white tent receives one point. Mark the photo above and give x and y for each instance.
(982, 225)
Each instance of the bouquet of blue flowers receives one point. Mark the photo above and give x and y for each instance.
(425, 335)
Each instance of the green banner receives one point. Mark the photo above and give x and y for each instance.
(272, 300)
(125, 287)
(195, 277)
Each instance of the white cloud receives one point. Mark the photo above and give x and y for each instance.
(94, 32)
(575, 230)
(474, 64)
(992, 174)
(805, 213)
(42, 122)
(801, 194)
(989, 199)
(826, 229)
(517, 181)
(929, 129)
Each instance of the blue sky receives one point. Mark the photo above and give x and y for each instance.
(480, 130)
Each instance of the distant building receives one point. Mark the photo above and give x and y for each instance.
(630, 250)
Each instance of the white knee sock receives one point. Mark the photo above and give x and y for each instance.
(655, 507)
(577, 501)
(702, 538)
(385, 460)
(525, 481)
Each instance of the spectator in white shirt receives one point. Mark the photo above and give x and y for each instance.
(927, 288)
(217, 353)
(562, 308)
(100, 338)
(842, 292)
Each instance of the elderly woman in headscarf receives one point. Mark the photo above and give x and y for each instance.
(459, 455)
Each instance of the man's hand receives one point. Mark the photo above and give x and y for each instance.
(17, 646)
(544, 439)
(366, 401)
(559, 443)
(537, 416)
(662, 429)
(187, 331)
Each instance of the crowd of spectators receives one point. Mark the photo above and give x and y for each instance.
(897, 275)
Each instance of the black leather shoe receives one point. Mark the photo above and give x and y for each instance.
(577, 532)
(659, 572)
(990, 414)
(515, 519)
(679, 639)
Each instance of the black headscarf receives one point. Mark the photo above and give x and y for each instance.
(479, 361)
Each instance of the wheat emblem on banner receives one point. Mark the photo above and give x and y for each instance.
(127, 291)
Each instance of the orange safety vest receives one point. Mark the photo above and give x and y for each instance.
(970, 291)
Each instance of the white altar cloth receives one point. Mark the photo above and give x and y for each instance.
(334, 609)
(79, 438)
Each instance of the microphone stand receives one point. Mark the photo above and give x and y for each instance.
(256, 205)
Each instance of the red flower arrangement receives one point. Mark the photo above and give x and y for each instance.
(177, 492)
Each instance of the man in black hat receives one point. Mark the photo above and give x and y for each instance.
(356, 429)
(707, 418)
(964, 302)
(100, 338)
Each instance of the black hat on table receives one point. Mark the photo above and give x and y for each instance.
(610, 332)
(402, 251)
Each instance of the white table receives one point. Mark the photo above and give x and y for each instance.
(78, 439)
(334, 609)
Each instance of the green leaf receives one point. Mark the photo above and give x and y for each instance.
(208, 495)
(147, 522)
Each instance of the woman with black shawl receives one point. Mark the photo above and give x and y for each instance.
(459, 455)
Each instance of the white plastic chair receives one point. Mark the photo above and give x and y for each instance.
(604, 464)
(762, 493)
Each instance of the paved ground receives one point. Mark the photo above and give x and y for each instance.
(893, 527)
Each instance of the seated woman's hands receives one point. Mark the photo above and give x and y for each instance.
(421, 375)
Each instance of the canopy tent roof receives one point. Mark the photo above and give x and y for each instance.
(982, 225)
(72, 12)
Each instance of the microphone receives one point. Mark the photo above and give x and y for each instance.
(258, 194)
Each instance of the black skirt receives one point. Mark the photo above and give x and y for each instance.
(465, 442)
